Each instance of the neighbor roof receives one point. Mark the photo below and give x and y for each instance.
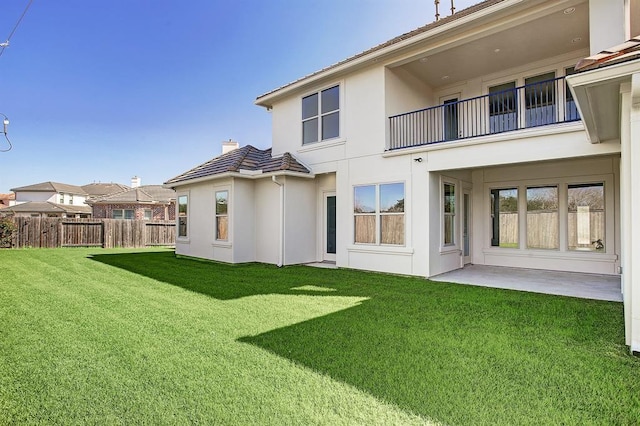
(442, 21)
(246, 158)
(141, 194)
(624, 52)
(46, 207)
(51, 187)
(98, 189)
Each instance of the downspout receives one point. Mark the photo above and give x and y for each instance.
(281, 242)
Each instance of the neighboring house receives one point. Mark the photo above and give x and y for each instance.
(7, 199)
(99, 189)
(468, 140)
(149, 202)
(49, 199)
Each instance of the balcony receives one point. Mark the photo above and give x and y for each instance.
(504, 109)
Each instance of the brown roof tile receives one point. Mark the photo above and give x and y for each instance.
(624, 52)
(245, 158)
(51, 187)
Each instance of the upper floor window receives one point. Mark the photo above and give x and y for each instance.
(540, 100)
(61, 198)
(321, 115)
(70, 198)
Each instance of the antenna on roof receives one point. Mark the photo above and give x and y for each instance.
(453, 8)
(437, 3)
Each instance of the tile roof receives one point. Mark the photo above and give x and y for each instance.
(46, 207)
(98, 189)
(246, 158)
(425, 28)
(624, 52)
(51, 187)
(141, 194)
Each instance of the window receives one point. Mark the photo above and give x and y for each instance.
(504, 217)
(321, 115)
(570, 108)
(586, 221)
(542, 217)
(61, 198)
(222, 215)
(503, 108)
(71, 199)
(540, 100)
(182, 215)
(379, 214)
(123, 214)
(148, 214)
(449, 213)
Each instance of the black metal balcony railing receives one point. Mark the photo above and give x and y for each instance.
(532, 105)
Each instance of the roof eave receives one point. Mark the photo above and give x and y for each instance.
(239, 175)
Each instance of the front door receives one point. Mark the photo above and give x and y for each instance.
(329, 227)
(466, 227)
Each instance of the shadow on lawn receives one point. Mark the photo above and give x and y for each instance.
(453, 353)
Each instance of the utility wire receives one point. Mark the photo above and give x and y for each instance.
(6, 43)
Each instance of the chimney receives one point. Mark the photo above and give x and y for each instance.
(228, 146)
(135, 182)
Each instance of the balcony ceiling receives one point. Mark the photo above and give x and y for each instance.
(548, 36)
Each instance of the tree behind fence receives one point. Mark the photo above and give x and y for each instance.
(107, 233)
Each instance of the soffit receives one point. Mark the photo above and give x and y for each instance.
(553, 34)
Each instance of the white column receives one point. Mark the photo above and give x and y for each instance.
(634, 212)
(608, 25)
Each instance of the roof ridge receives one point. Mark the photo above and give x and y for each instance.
(236, 164)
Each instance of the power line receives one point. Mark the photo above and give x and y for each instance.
(6, 43)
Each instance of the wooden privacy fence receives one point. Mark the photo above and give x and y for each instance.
(107, 233)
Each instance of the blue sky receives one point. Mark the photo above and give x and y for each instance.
(100, 91)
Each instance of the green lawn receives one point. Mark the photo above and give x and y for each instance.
(124, 336)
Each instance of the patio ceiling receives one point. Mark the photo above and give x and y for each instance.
(517, 43)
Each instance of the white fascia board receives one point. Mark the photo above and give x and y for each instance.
(581, 83)
(267, 100)
(241, 176)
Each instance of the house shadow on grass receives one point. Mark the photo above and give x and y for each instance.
(452, 353)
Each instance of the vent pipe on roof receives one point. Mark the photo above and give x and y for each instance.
(230, 145)
(437, 3)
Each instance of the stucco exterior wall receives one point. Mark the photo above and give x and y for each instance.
(300, 220)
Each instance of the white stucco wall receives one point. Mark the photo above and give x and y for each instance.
(243, 220)
(300, 220)
(25, 196)
(607, 24)
(267, 220)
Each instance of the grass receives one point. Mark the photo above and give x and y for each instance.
(122, 336)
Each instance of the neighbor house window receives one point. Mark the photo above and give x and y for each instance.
(71, 199)
(182, 215)
(61, 198)
(148, 214)
(449, 213)
(379, 214)
(122, 214)
(504, 217)
(586, 221)
(222, 215)
(542, 217)
(321, 115)
(540, 100)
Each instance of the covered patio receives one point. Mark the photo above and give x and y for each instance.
(573, 284)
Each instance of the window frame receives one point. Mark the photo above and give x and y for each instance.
(150, 211)
(123, 214)
(451, 214)
(320, 115)
(182, 217)
(218, 216)
(378, 214)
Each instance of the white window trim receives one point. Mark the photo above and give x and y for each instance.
(228, 215)
(455, 246)
(341, 128)
(186, 238)
(378, 215)
(562, 183)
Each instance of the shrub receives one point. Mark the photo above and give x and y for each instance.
(7, 228)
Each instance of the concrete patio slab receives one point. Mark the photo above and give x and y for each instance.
(586, 286)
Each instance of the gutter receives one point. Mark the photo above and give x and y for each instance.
(174, 185)
(274, 179)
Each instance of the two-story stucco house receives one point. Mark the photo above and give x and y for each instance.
(463, 141)
(49, 199)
